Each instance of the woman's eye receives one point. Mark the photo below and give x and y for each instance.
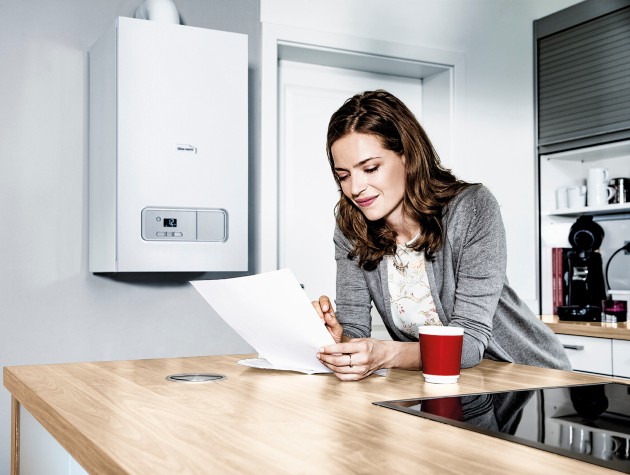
(342, 177)
(371, 169)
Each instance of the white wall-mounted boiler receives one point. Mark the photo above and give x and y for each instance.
(168, 186)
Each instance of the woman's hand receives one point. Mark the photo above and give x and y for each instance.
(356, 358)
(326, 313)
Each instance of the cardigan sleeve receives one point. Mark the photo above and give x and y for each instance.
(477, 237)
(353, 301)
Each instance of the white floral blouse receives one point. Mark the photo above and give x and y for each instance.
(409, 291)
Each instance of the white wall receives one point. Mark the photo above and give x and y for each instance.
(498, 138)
(51, 309)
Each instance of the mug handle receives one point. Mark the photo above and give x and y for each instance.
(611, 192)
(606, 175)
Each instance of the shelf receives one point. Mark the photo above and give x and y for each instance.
(590, 154)
(619, 208)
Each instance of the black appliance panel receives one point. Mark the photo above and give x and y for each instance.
(585, 422)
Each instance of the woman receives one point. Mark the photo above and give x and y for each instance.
(423, 246)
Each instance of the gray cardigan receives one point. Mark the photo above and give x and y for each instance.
(469, 287)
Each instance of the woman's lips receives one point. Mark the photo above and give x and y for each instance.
(366, 201)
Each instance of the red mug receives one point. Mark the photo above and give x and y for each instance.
(441, 352)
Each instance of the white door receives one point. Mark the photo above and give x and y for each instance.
(308, 95)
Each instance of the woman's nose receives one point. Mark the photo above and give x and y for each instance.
(357, 185)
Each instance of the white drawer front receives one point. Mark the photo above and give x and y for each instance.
(588, 354)
(621, 358)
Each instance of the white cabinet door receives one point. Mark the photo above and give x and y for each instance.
(621, 358)
(592, 355)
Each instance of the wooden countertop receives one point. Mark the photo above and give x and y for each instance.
(616, 331)
(124, 417)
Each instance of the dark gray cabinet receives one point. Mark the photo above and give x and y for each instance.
(583, 75)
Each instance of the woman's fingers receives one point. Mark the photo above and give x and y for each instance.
(334, 328)
(318, 308)
(354, 346)
(323, 306)
(332, 322)
(348, 373)
(326, 306)
(347, 355)
(339, 361)
(326, 313)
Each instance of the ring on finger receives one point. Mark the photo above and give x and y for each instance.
(350, 363)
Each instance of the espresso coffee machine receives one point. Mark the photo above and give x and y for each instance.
(584, 274)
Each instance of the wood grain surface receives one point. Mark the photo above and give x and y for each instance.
(616, 331)
(125, 417)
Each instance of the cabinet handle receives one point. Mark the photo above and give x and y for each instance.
(574, 347)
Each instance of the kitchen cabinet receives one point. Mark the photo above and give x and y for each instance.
(582, 114)
(621, 358)
(588, 354)
(605, 356)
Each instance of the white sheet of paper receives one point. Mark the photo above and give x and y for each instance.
(273, 314)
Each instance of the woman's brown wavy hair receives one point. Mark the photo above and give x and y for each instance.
(428, 186)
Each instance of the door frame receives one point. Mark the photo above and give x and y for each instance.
(441, 71)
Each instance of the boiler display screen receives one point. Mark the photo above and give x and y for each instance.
(170, 222)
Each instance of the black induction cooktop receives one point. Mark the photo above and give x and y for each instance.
(586, 422)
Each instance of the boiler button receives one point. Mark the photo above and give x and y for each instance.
(178, 234)
(160, 234)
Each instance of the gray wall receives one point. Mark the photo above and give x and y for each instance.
(51, 309)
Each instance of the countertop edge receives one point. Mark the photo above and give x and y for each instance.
(614, 331)
(89, 456)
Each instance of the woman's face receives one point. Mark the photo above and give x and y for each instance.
(371, 176)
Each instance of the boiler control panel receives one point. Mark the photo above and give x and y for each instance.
(179, 224)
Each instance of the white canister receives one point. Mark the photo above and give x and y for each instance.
(562, 200)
